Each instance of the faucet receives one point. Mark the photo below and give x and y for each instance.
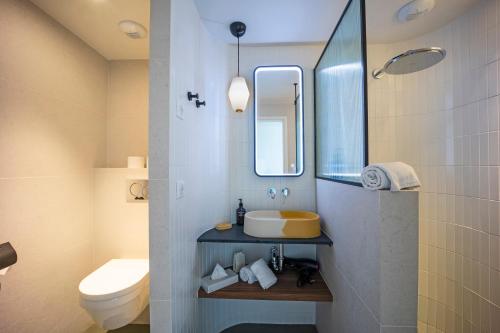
(271, 192)
(285, 192)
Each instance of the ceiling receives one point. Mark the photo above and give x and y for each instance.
(313, 21)
(384, 27)
(96, 23)
(268, 22)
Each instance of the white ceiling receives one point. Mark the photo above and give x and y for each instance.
(311, 21)
(272, 21)
(268, 21)
(96, 23)
(383, 25)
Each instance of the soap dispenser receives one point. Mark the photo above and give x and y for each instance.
(240, 213)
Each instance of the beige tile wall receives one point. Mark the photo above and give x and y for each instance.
(127, 121)
(445, 122)
(120, 228)
(52, 133)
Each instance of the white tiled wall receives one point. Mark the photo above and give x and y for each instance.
(199, 158)
(192, 149)
(217, 315)
(445, 122)
(245, 183)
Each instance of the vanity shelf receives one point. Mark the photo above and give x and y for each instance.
(284, 290)
(236, 235)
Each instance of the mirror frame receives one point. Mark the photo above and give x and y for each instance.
(255, 108)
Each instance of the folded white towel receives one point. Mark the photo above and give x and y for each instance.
(264, 274)
(246, 275)
(393, 175)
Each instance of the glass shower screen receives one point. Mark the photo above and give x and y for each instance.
(340, 100)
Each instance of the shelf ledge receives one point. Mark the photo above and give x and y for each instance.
(284, 290)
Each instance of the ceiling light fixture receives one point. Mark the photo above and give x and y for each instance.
(133, 29)
(415, 9)
(238, 91)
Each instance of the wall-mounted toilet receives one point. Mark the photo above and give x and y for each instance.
(117, 292)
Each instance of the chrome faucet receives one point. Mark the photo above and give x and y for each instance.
(271, 192)
(285, 192)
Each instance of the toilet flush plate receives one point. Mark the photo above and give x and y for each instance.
(137, 190)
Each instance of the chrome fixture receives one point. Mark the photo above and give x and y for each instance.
(277, 258)
(285, 192)
(411, 61)
(271, 192)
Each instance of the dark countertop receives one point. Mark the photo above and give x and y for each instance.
(236, 235)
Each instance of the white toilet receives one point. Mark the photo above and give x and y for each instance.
(117, 292)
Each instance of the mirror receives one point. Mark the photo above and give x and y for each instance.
(279, 121)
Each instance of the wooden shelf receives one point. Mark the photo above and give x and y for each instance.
(236, 235)
(284, 290)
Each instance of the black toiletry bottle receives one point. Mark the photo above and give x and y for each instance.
(240, 213)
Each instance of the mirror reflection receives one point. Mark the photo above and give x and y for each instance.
(279, 121)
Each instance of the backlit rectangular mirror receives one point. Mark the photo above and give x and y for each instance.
(279, 121)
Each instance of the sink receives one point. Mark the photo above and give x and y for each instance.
(282, 224)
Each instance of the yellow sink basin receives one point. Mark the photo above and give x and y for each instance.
(282, 224)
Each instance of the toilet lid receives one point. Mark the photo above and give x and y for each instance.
(115, 278)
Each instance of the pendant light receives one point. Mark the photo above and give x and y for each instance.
(238, 91)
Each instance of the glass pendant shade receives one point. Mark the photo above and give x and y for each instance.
(239, 94)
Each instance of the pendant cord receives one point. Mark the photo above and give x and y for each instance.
(238, 56)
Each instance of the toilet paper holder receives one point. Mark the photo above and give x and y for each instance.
(8, 255)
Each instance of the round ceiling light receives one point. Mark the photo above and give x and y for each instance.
(133, 29)
(415, 9)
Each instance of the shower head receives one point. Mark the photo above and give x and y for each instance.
(411, 61)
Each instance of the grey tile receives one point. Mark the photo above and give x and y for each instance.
(161, 316)
(397, 329)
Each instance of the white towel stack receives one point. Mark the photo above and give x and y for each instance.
(246, 275)
(394, 176)
(264, 274)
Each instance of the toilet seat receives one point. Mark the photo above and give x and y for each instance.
(116, 278)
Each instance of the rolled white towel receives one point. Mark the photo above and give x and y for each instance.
(394, 176)
(246, 275)
(264, 274)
